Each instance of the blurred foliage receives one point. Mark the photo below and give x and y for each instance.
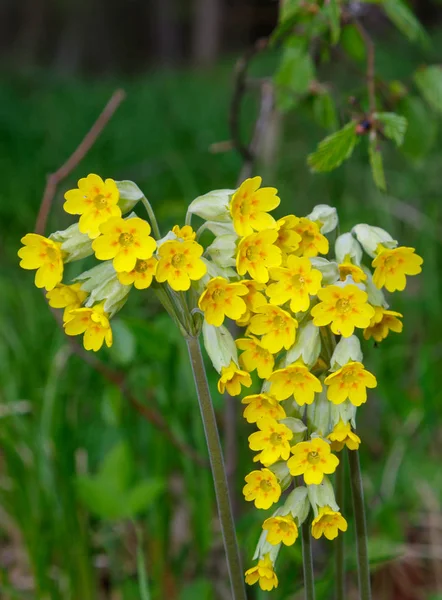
(80, 471)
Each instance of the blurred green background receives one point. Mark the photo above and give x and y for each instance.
(95, 500)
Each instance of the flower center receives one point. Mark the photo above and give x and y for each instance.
(51, 253)
(279, 322)
(178, 260)
(313, 458)
(244, 207)
(100, 201)
(343, 306)
(276, 439)
(126, 239)
(308, 237)
(218, 294)
(141, 266)
(265, 485)
(283, 526)
(251, 253)
(298, 281)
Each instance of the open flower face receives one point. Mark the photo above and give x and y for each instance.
(312, 241)
(288, 239)
(222, 299)
(281, 530)
(328, 523)
(273, 440)
(95, 200)
(351, 381)
(124, 240)
(263, 488)
(343, 308)
(186, 233)
(68, 297)
(295, 282)
(141, 275)
(297, 381)
(392, 266)
(249, 207)
(312, 459)
(257, 254)
(46, 256)
(347, 269)
(342, 435)
(277, 327)
(382, 323)
(232, 378)
(255, 357)
(254, 299)
(180, 263)
(93, 322)
(260, 406)
(263, 574)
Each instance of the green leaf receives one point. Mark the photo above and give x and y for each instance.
(334, 149)
(324, 111)
(376, 163)
(295, 74)
(353, 44)
(142, 496)
(334, 15)
(429, 82)
(289, 15)
(404, 19)
(117, 467)
(395, 126)
(422, 128)
(102, 498)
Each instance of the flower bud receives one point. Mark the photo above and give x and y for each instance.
(297, 504)
(347, 248)
(345, 412)
(297, 427)
(213, 206)
(222, 250)
(74, 244)
(130, 195)
(370, 237)
(325, 216)
(329, 269)
(102, 283)
(221, 228)
(318, 414)
(376, 296)
(347, 349)
(281, 470)
(307, 345)
(322, 495)
(220, 346)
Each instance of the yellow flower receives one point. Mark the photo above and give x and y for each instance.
(281, 530)
(93, 322)
(253, 300)
(232, 378)
(351, 381)
(67, 297)
(124, 240)
(342, 435)
(382, 323)
(95, 200)
(327, 523)
(141, 275)
(344, 307)
(255, 357)
(296, 282)
(277, 327)
(391, 267)
(295, 380)
(312, 241)
(312, 459)
(185, 233)
(180, 262)
(288, 239)
(257, 253)
(273, 440)
(262, 405)
(347, 268)
(264, 574)
(222, 299)
(44, 255)
(249, 206)
(263, 488)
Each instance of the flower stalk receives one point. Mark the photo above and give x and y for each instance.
(307, 562)
(218, 471)
(340, 541)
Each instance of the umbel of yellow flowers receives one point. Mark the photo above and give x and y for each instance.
(298, 303)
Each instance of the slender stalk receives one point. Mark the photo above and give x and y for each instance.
(340, 541)
(152, 217)
(361, 525)
(307, 562)
(218, 470)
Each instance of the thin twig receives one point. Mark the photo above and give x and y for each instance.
(54, 179)
(371, 79)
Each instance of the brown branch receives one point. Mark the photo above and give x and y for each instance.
(54, 179)
(371, 79)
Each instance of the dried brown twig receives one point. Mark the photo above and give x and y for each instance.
(116, 377)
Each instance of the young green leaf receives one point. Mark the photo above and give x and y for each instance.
(422, 128)
(404, 19)
(376, 163)
(334, 16)
(295, 74)
(289, 15)
(334, 149)
(395, 126)
(429, 82)
(324, 111)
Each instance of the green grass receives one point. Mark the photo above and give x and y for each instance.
(60, 421)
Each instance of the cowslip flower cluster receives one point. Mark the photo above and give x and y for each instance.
(296, 302)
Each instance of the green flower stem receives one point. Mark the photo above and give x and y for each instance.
(340, 541)
(361, 525)
(307, 561)
(152, 217)
(218, 470)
